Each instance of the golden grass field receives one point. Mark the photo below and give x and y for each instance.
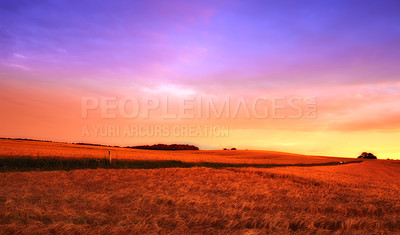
(18, 148)
(344, 199)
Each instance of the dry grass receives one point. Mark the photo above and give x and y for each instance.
(22, 148)
(356, 198)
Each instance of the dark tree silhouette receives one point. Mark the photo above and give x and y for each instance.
(366, 155)
(166, 147)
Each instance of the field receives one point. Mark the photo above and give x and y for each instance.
(39, 149)
(346, 198)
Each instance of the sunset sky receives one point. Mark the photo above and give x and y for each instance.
(346, 54)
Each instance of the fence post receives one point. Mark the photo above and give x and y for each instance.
(109, 155)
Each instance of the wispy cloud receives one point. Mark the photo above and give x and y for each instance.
(19, 56)
(168, 89)
(19, 67)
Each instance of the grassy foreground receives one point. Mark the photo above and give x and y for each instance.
(191, 192)
(343, 199)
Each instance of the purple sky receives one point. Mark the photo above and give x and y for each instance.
(228, 43)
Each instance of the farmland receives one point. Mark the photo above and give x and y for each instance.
(346, 198)
(39, 149)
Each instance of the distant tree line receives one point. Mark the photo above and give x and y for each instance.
(166, 147)
(366, 155)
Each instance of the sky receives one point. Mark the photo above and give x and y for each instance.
(342, 54)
